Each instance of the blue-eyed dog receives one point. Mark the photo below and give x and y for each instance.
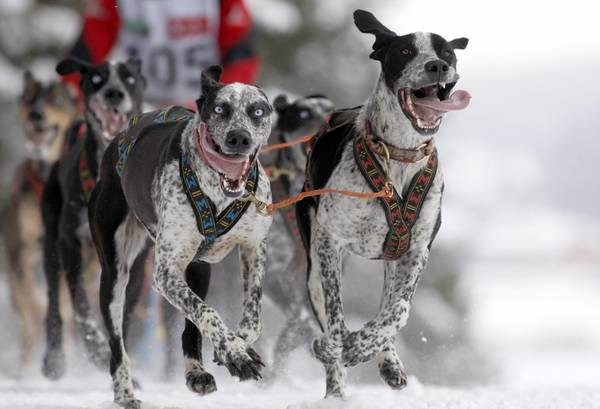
(183, 179)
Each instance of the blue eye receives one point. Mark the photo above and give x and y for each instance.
(258, 112)
(96, 79)
(305, 114)
(130, 80)
(218, 109)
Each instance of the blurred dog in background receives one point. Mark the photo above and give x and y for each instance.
(285, 279)
(112, 93)
(47, 111)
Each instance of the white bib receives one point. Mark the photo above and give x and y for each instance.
(175, 39)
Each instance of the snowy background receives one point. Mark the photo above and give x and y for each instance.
(508, 315)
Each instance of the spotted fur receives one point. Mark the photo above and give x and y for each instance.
(336, 224)
(153, 195)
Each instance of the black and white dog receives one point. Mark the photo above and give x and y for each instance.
(112, 92)
(380, 146)
(285, 271)
(184, 179)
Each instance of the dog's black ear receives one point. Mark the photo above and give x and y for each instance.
(281, 103)
(28, 79)
(71, 64)
(367, 23)
(29, 85)
(459, 43)
(135, 63)
(210, 78)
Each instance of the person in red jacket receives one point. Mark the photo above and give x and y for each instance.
(175, 39)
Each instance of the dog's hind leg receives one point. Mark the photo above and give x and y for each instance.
(54, 363)
(169, 317)
(133, 292)
(119, 240)
(285, 286)
(324, 286)
(197, 379)
(70, 248)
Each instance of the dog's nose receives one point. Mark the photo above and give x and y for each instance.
(35, 116)
(436, 67)
(113, 96)
(238, 141)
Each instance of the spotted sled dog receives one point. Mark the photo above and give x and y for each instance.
(385, 145)
(181, 178)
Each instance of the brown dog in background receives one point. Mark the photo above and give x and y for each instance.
(47, 112)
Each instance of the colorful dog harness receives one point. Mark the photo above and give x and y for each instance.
(87, 178)
(210, 225)
(401, 214)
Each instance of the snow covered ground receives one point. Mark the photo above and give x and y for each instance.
(78, 394)
(541, 333)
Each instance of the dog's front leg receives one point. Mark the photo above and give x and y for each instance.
(324, 285)
(173, 253)
(253, 273)
(401, 280)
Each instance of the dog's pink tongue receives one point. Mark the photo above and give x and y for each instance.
(232, 167)
(458, 100)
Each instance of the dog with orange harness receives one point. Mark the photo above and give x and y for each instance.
(384, 149)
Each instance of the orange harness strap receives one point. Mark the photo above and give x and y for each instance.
(269, 209)
(277, 146)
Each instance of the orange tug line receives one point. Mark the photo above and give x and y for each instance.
(269, 209)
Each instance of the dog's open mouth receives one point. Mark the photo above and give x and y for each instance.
(111, 119)
(426, 106)
(39, 137)
(233, 170)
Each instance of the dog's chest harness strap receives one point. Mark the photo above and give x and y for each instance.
(401, 215)
(289, 213)
(86, 177)
(209, 225)
(34, 181)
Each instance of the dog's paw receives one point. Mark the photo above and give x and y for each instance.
(326, 350)
(199, 382)
(129, 403)
(54, 364)
(361, 346)
(392, 373)
(239, 359)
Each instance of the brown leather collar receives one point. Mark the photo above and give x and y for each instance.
(406, 155)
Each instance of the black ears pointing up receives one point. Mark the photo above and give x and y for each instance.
(368, 23)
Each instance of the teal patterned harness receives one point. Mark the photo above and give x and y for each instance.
(211, 226)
